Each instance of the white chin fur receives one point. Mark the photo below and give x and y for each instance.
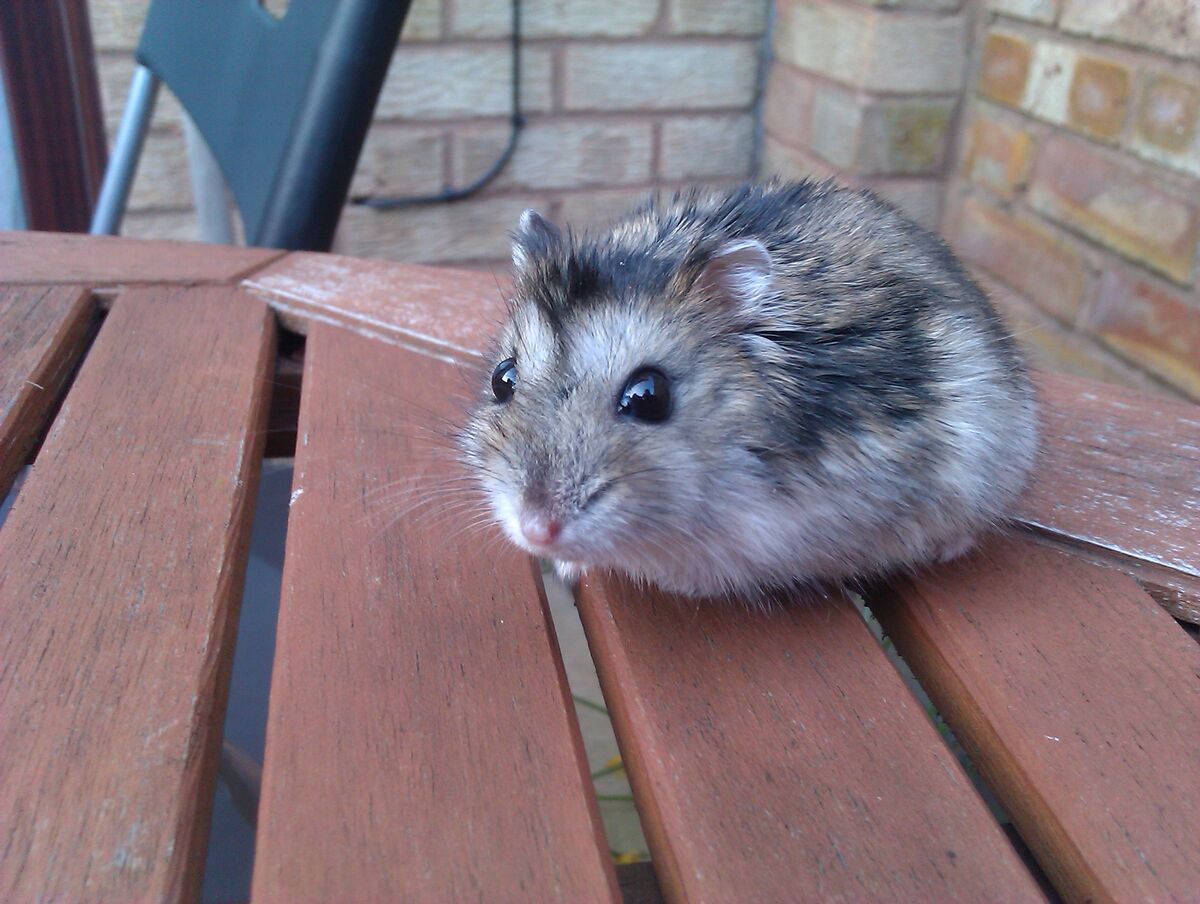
(568, 572)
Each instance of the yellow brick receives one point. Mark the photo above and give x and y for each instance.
(1099, 97)
(1170, 26)
(400, 160)
(781, 159)
(594, 209)
(716, 17)
(435, 82)
(1167, 123)
(1004, 68)
(1168, 113)
(555, 18)
(117, 24)
(441, 233)
(706, 147)
(1036, 10)
(660, 76)
(557, 154)
(873, 49)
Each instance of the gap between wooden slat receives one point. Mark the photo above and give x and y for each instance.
(230, 850)
(286, 391)
(779, 755)
(44, 332)
(240, 777)
(119, 571)
(421, 741)
(1077, 698)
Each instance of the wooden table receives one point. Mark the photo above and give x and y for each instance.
(422, 744)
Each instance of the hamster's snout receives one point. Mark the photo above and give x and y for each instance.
(539, 517)
(539, 527)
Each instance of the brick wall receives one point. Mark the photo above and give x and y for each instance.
(1056, 143)
(622, 97)
(868, 91)
(1075, 192)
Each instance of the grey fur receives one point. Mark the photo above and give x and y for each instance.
(846, 403)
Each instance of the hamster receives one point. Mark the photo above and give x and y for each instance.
(730, 392)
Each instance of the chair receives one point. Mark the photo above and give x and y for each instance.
(283, 105)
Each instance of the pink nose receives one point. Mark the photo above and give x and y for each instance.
(539, 528)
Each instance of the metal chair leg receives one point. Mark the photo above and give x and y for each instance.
(208, 188)
(127, 149)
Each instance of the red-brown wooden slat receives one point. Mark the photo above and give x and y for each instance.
(51, 257)
(454, 311)
(780, 757)
(42, 334)
(120, 571)
(1079, 700)
(421, 742)
(1119, 474)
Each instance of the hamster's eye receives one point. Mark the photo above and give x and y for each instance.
(504, 379)
(646, 396)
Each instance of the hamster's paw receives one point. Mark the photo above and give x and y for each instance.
(568, 572)
(956, 547)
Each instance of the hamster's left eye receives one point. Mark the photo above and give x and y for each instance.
(504, 379)
(646, 396)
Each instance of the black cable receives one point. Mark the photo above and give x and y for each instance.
(517, 123)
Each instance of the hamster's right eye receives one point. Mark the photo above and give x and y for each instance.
(504, 379)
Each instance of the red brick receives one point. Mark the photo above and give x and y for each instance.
(1051, 346)
(1099, 97)
(1111, 203)
(1004, 68)
(1022, 253)
(997, 155)
(1151, 324)
(787, 108)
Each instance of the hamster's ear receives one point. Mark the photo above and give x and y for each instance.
(534, 233)
(738, 273)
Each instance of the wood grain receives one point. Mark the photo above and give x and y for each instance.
(48, 70)
(1119, 475)
(454, 312)
(1079, 700)
(120, 572)
(43, 331)
(96, 260)
(780, 757)
(421, 743)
